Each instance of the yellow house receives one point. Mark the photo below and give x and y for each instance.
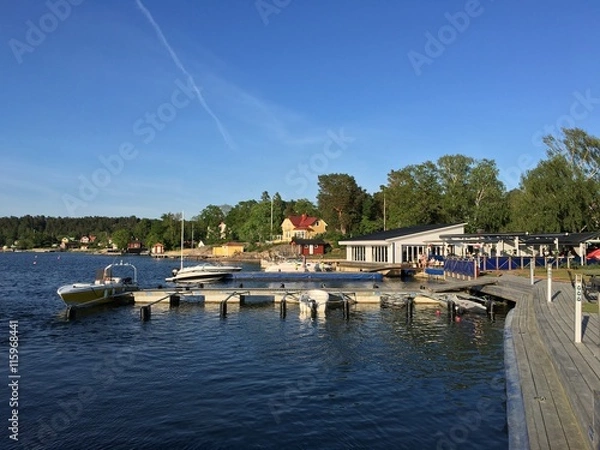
(304, 227)
(228, 249)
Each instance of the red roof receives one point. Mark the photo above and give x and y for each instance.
(303, 221)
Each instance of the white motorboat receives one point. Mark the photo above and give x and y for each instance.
(319, 300)
(106, 288)
(202, 273)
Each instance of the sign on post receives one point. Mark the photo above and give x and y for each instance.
(578, 300)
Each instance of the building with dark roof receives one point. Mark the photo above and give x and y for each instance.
(401, 245)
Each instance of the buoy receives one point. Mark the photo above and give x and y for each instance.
(457, 319)
(437, 312)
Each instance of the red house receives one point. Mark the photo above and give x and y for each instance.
(309, 247)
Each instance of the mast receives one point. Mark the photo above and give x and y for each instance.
(182, 228)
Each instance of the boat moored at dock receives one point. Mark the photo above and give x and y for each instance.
(106, 288)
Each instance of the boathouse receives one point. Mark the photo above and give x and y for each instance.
(402, 245)
(309, 247)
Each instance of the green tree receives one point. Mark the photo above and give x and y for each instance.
(340, 201)
(208, 224)
(236, 221)
(413, 196)
(553, 198)
(121, 238)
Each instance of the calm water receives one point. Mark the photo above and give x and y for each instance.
(187, 379)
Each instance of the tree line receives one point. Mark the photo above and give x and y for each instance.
(560, 194)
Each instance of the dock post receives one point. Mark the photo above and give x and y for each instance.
(71, 313)
(242, 299)
(531, 270)
(145, 313)
(346, 306)
(451, 309)
(283, 308)
(578, 297)
(410, 306)
(489, 307)
(313, 309)
(223, 308)
(174, 300)
(549, 286)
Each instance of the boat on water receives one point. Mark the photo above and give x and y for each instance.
(295, 265)
(465, 303)
(105, 288)
(319, 300)
(202, 273)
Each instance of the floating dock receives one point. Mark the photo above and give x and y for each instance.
(275, 295)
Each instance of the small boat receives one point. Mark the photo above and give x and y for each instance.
(104, 289)
(202, 273)
(465, 303)
(318, 300)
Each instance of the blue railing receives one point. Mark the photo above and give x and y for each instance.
(472, 266)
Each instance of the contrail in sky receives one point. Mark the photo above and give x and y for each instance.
(178, 63)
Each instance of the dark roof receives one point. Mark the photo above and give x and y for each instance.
(399, 232)
(524, 238)
(300, 241)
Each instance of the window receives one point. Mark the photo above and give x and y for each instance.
(358, 254)
(380, 253)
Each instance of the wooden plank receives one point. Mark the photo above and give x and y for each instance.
(462, 285)
(551, 422)
(572, 368)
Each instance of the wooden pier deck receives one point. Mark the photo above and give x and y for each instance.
(551, 380)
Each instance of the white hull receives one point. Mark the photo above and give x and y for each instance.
(202, 273)
(319, 301)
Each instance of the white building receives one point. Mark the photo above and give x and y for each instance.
(401, 245)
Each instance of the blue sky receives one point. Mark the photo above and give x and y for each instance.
(128, 107)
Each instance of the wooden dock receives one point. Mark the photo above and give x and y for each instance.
(551, 381)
